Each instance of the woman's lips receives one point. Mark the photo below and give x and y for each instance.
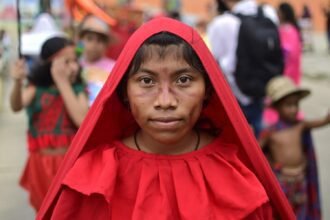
(166, 122)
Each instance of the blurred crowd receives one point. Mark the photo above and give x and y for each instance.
(60, 75)
(259, 49)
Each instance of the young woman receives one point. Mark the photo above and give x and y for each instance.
(165, 140)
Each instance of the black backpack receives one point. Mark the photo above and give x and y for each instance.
(259, 54)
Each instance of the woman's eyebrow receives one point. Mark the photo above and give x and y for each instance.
(176, 72)
(144, 70)
(183, 70)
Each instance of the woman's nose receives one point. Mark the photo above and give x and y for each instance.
(166, 98)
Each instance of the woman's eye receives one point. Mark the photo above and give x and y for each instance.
(184, 80)
(146, 81)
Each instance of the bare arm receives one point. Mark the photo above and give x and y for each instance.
(75, 104)
(317, 123)
(19, 97)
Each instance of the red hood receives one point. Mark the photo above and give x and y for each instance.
(108, 120)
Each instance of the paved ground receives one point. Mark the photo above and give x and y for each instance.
(14, 201)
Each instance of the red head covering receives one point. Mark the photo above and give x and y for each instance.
(108, 119)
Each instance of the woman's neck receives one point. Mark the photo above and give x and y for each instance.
(146, 143)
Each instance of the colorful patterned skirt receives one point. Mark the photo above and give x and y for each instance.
(295, 189)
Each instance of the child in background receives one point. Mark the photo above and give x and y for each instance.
(165, 140)
(95, 37)
(289, 148)
(56, 104)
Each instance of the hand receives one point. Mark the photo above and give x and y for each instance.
(60, 70)
(19, 70)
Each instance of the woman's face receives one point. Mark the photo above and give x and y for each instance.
(166, 96)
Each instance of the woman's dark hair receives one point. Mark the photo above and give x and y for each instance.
(163, 39)
(40, 71)
(288, 14)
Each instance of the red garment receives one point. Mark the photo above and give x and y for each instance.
(231, 178)
(121, 33)
(86, 207)
(38, 174)
(49, 126)
(148, 186)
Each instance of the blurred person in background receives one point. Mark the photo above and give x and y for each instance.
(289, 148)
(56, 104)
(291, 43)
(4, 61)
(172, 9)
(95, 36)
(4, 40)
(232, 49)
(5, 44)
(174, 15)
(326, 13)
(306, 25)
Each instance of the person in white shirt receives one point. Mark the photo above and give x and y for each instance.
(223, 34)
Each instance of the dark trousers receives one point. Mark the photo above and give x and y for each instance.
(253, 113)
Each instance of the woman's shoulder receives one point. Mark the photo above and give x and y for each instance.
(91, 169)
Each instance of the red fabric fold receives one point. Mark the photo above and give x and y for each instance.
(94, 173)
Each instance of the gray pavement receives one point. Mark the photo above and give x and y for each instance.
(13, 154)
(14, 201)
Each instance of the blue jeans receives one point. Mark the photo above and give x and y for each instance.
(253, 114)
